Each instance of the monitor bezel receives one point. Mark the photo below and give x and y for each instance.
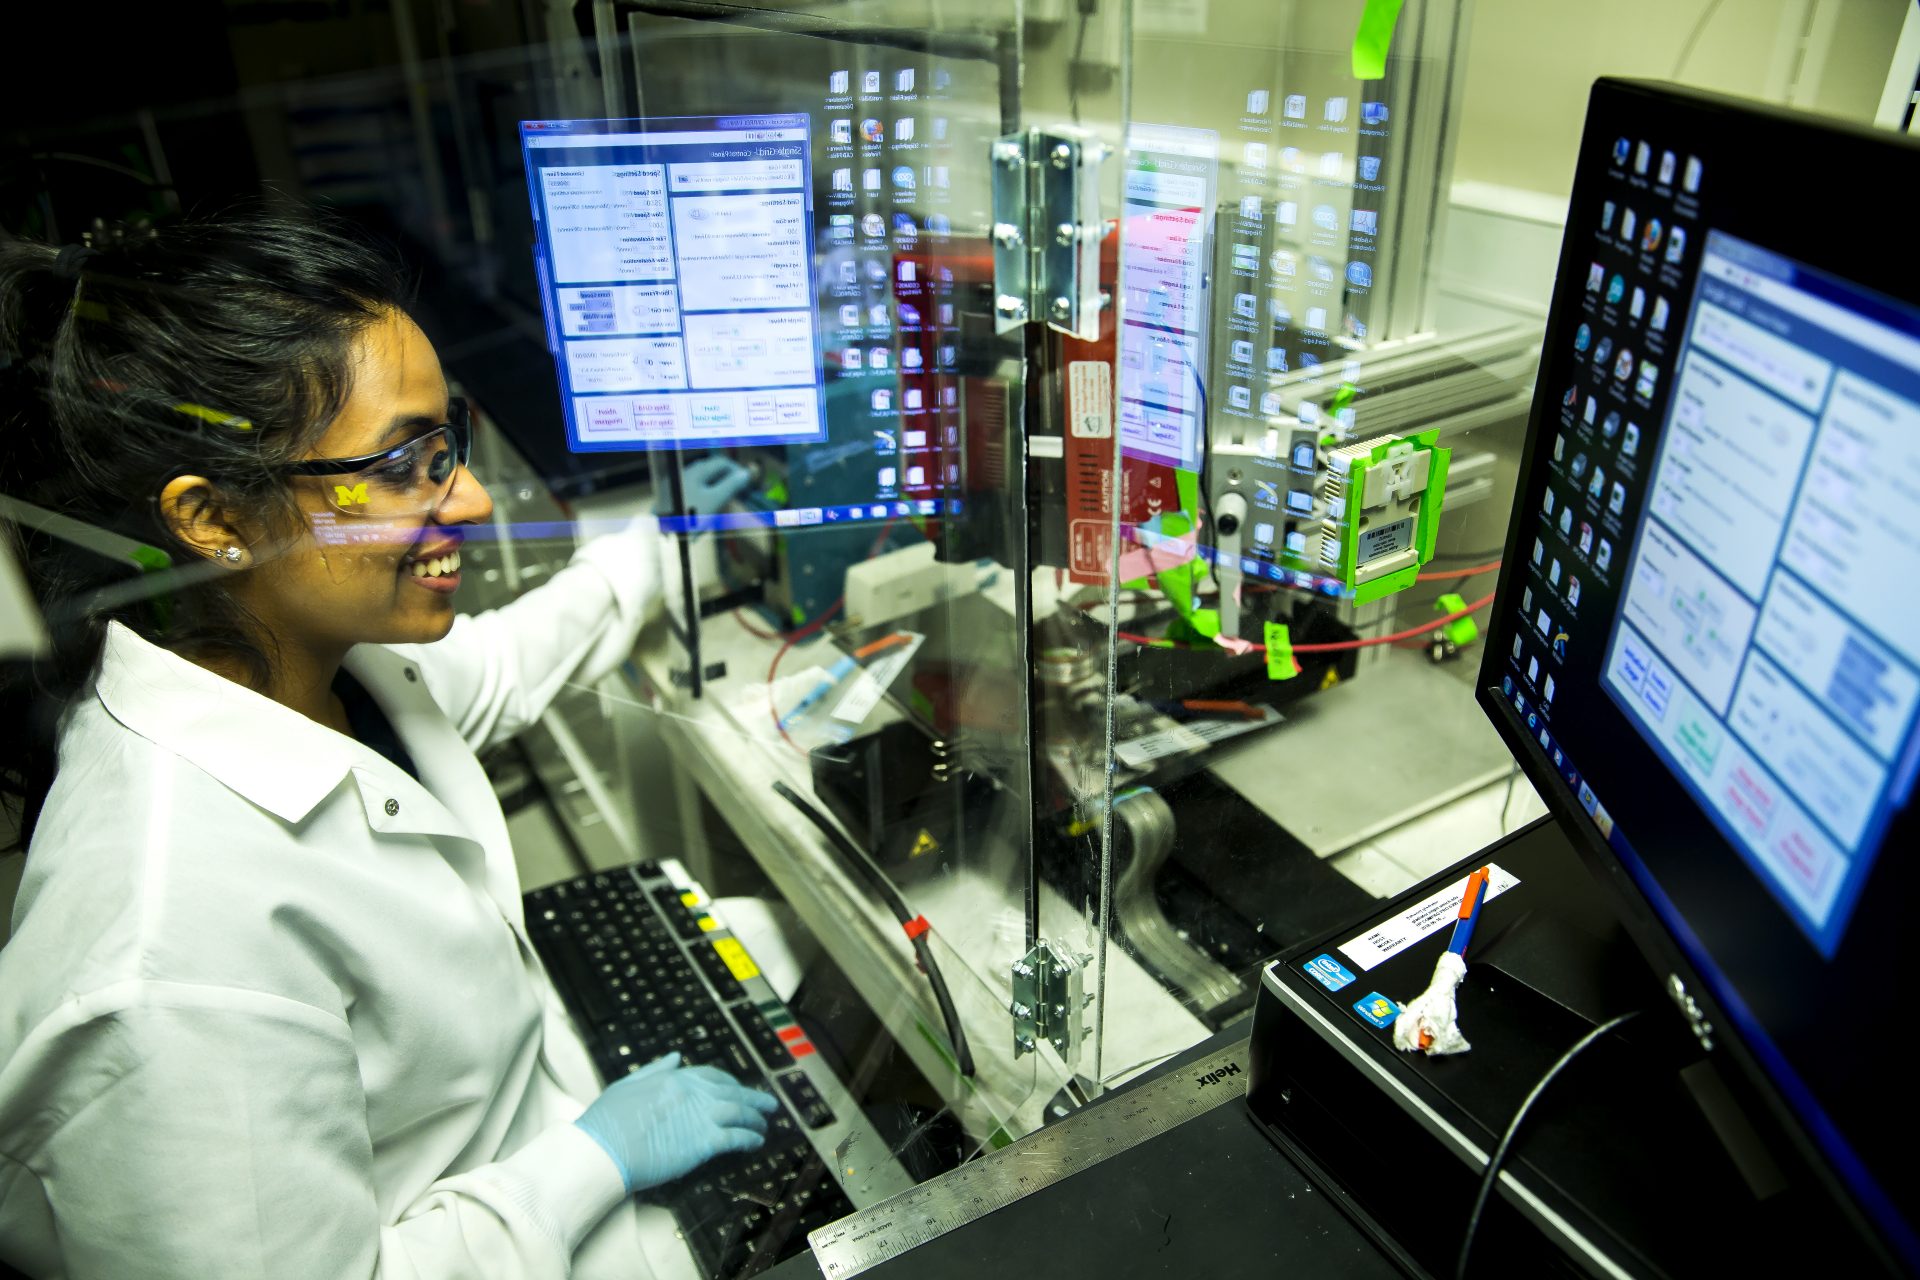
(1668, 954)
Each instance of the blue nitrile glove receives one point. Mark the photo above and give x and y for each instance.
(666, 1120)
(710, 484)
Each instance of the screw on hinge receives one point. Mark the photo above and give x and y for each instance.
(1010, 307)
(1062, 155)
(1006, 235)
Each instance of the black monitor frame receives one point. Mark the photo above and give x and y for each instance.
(1805, 187)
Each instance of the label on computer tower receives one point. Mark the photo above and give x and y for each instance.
(1421, 920)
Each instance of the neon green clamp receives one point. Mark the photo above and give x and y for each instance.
(1382, 500)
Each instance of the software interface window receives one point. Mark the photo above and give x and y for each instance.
(1766, 647)
(676, 261)
(1163, 343)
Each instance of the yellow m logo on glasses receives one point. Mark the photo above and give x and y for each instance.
(350, 496)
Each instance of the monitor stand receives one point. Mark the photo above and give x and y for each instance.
(1644, 1158)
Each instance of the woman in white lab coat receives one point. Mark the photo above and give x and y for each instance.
(269, 1007)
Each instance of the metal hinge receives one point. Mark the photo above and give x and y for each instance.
(1048, 1001)
(1046, 231)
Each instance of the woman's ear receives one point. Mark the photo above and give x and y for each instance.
(190, 507)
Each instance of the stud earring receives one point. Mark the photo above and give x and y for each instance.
(232, 554)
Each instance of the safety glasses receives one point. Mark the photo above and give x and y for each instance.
(411, 479)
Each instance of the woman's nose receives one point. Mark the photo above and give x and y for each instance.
(467, 501)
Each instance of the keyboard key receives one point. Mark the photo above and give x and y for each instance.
(806, 1100)
(764, 1039)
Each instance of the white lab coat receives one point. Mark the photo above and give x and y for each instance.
(269, 1008)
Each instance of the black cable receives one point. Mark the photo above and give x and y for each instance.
(884, 888)
(1513, 1127)
(1073, 63)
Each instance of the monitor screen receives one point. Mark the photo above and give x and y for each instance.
(676, 272)
(1707, 639)
(785, 284)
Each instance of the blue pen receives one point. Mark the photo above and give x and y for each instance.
(1469, 912)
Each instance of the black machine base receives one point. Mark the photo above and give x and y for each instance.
(1641, 1159)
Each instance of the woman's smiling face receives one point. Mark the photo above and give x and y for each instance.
(374, 564)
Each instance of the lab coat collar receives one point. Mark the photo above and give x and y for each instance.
(273, 756)
(287, 765)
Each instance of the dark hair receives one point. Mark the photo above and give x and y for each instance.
(216, 347)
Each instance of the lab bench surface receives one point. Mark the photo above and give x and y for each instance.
(1211, 1197)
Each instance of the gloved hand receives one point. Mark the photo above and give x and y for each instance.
(707, 485)
(665, 1120)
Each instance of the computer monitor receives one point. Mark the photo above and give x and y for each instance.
(1705, 649)
(780, 285)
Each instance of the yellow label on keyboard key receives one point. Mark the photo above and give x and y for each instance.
(739, 963)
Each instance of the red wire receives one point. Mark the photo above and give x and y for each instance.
(749, 628)
(1342, 645)
(1440, 575)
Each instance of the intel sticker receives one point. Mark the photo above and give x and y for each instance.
(1328, 972)
(1377, 1009)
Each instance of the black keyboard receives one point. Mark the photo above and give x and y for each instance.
(633, 955)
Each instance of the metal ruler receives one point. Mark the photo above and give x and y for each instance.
(869, 1237)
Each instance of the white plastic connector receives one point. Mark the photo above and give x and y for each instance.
(903, 582)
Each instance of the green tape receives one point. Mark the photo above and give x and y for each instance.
(1462, 631)
(1373, 38)
(1280, 663)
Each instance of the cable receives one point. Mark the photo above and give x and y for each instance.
(749, 628)
(1471, 571)
(1489, 553)
(1073, 63)
(915, 926)
(1693, 38)
(1513, 1127)
(1340, 646)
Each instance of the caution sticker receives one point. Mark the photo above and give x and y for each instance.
(738, 962)
(925, 844)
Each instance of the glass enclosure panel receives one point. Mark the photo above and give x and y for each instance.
(848, 627)
(1333, 244)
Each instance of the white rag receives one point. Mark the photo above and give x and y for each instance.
(1430, 1022)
